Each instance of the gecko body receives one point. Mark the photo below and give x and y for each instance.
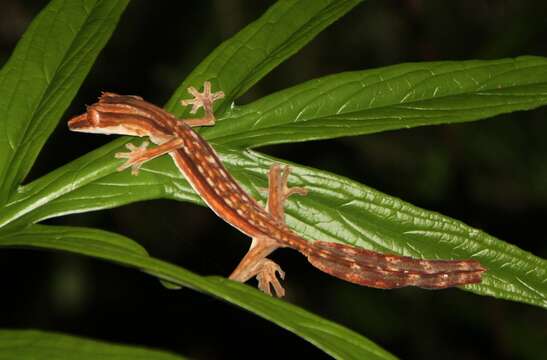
(200, 165)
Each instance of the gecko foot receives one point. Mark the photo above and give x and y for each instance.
(134, 157)
(267, 278)
(204, 99)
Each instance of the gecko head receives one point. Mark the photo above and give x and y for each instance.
(109, 123)
(125, 115)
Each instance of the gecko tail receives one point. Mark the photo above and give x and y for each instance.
(387, 271)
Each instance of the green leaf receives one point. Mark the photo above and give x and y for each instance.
(394, 97)
(42, 76)
(334, 339)
(336, 209)
(240, 62)
(340, 210)
(66, 180)
(91, 182)
(33, 344)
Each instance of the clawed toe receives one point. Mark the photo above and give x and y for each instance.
(134, 157)
(267, 278)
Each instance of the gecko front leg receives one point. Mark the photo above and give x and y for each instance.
(138, 155)
(255, 263)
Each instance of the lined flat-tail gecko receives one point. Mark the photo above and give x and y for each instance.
(198, 162)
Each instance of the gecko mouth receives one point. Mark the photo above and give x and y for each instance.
(79, 123)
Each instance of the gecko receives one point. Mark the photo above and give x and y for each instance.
(265, 225)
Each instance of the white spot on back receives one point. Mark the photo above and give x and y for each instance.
(223, 173)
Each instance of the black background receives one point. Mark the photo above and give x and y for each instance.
(490, 174)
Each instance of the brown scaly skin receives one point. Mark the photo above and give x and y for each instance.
(196, 159)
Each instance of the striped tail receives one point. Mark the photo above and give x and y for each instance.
(385, 271)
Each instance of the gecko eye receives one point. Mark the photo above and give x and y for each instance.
(93, 116)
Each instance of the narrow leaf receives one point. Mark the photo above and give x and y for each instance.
(33, 344)
(336, 209)
(332, 338)
(394, 97)
(241, 61)
(42, 76)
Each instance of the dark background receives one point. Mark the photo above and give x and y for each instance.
(490, 174)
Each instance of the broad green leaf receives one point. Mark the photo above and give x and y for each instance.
(332, 338)
(42, 76)
(241, 61)
(394, 97)
(34, 344)
(336, 209)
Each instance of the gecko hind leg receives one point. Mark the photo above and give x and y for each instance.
(279, 191)
(255, 263)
